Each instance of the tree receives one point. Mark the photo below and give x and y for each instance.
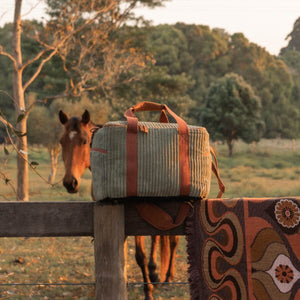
(208, 49)
(170, 49)
(232, 111)
(77, 30)
(163, 80)
(101, 56)
(294, 38)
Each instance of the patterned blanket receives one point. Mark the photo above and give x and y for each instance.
(244, 249)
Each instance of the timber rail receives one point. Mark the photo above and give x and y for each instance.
(108, 223)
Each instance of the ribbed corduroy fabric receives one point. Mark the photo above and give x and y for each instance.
(158, 161)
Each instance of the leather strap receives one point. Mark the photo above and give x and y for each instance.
(144, 106)
(160, 219)
(215, 169)
(131, 146)
(131, 157)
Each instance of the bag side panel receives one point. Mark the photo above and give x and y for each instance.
(109, 169)
(200, 163)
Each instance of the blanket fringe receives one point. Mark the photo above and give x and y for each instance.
(193, 239)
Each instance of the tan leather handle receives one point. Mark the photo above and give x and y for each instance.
(144, 106)
(148, 106)
(152, 106)
(163, 117)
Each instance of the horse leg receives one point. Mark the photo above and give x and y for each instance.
(141, 260)
(153, 259)
(164, 256)
(174, 241)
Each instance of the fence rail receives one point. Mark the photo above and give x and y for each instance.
(108, 223)
(54, 219)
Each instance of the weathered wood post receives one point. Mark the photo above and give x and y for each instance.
(109, 234)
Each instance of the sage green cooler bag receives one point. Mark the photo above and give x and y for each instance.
(151, 159)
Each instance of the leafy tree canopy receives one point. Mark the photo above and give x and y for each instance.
(232, 111)
(164, 63)
(294, 38)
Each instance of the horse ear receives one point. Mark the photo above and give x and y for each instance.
(63, 117)
(85, 118)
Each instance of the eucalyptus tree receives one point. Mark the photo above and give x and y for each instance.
(76, 30)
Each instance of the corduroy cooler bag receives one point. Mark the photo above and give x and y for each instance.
(151, 159)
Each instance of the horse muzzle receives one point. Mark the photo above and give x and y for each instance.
(71, 185)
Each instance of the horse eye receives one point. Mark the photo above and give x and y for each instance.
(84, 142)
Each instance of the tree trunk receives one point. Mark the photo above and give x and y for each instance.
(54, 153)
(293, 145)
(254, 147)
(230, 147)
(18, 92)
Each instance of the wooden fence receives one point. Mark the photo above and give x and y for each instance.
(108, 223)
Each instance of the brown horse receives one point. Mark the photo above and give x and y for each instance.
(75, 144)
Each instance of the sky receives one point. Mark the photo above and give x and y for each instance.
(264, 22)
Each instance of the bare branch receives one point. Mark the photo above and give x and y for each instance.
(4, 53)
(6, 123)
(59, 44)
(7, 126)
(37, 72)
(126, 12)
(88, 22)
(7, 181)
(37, 57)
(9, 96)
(32, 106)
(32, 8)
(3, 14)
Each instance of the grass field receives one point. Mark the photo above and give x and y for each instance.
(270, 168)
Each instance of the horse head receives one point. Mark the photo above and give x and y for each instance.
(75, 143)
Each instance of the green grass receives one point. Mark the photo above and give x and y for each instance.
(271, 168)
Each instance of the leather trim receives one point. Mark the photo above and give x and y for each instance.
(158, 218)
(131, 157)
(131, 146)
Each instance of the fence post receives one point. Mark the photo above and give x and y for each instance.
(109, 234)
